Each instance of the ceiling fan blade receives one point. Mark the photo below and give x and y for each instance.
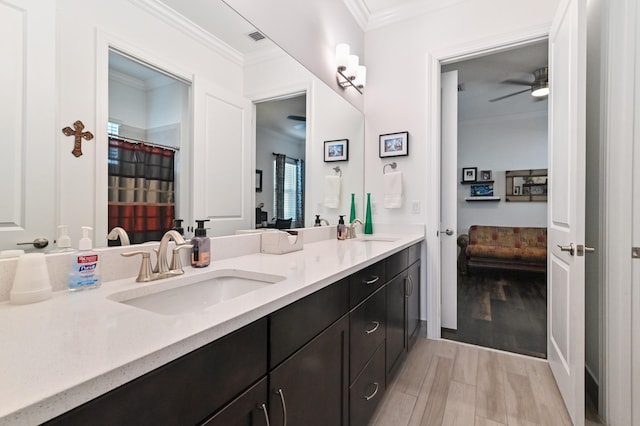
(297, 117)
(508, 96)
(518, 82)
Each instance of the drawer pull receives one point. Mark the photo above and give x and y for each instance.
(409, 289)
(376, 324)
(263, 407)
(374, 279)
(368, 398)
(284, 407)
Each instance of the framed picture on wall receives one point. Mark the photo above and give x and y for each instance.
(337, 150)
(469, 174)
(394, 144)
(485, 175)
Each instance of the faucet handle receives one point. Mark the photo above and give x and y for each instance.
(176, 262)
(145, 273)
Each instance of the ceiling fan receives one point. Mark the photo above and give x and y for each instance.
(539, 88)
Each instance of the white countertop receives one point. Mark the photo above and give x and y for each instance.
(62, 352)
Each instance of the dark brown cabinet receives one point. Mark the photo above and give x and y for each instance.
(396, 322)
(413, 303)
(310, 388)
(368, 389)
(249, 409)
(367, 329)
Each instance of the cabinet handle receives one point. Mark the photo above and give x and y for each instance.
(284, 406)
(368, 398)
(374, 279)
(410, 286)
(376, 324)
(263, 407)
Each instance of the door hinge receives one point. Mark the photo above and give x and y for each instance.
(635, 252)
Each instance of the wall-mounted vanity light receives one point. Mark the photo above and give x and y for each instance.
(350, 72)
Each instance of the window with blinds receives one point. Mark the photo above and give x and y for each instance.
(290, 189)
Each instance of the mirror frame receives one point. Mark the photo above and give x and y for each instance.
(510, 194)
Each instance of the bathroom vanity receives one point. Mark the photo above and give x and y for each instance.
(316, 347)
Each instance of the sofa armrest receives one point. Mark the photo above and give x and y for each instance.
(463, 242)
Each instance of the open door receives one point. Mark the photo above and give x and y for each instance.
(566, 232)
(448, 200)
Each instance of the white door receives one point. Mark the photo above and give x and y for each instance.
(565, 276)
(27, 111)
(449, 200)
(223, 175)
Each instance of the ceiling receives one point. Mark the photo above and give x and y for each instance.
(273, 115)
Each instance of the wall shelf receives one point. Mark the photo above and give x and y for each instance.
(482, 198)
(477, 182)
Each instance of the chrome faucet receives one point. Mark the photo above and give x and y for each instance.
(322, 219)
(162, 268)
(119, 232)
(351, 230)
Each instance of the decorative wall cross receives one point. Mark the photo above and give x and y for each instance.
(79, 135)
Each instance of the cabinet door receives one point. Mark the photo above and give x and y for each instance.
(396, 323)
(311, 387)
(249, 409)
(413, 304)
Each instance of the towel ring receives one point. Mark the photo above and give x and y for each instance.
(338, 170)
(393, 166)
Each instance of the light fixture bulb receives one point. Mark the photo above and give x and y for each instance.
(352, 67)
(540, 91)
(342, 56)
(361, 77)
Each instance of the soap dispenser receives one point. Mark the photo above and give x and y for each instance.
(317, 222)
(177, 226)
(342, 228)
(201, 251)
(63, 243)
(85, 266)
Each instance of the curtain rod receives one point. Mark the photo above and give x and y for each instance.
(291, 158)
(173, 148)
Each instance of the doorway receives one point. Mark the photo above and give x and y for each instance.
(281, 128)
(498, 128)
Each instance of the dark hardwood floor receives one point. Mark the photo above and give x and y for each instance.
(504, 310)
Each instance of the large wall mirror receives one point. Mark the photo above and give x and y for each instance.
(220, 70)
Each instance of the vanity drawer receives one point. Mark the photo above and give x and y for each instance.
(414, 253)
(294, 325)
(365, 282)
(367, 391)
(397, 263)
(367, 326)
(185, 391)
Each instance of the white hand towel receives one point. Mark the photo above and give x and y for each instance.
(393, 190)
(332, 191)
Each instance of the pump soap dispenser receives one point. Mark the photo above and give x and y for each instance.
(201, 251)
(85, 266)
(342, 228)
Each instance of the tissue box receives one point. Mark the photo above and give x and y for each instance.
(279, 242)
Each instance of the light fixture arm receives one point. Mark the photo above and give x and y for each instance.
(345, 81)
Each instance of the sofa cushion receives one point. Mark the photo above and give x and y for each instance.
(536, 255)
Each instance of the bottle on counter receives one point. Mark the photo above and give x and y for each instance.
(85, 266)
(201, 251)
(342, 228)
(317, 222)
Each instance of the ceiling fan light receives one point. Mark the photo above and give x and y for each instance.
(540, 90)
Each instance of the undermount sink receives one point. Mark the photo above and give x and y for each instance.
(381, 238)
(171, 297)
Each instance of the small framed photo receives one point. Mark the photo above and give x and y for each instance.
(485, 175)
(394, 144)
(469, 174)
(258, 180)
(337, 150)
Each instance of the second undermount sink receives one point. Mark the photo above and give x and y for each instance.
(381, 238)
(171, 298)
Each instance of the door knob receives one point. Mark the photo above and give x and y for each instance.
(38, 243)
(447, 231)
(568, 248)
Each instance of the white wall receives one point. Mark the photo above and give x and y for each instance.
(308, 31)
(127, 103)
(515, 142)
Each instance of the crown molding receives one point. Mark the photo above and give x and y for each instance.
(179, 22)
(370, 21)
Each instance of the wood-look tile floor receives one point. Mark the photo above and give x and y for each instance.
(504, 310)
(449, 383)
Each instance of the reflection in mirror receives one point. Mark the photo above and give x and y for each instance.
(148, 120)
(526, 185)
(280, 155)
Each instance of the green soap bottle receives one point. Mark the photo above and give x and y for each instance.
(368, 222)
(352, 216)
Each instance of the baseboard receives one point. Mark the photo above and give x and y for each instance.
(591, 388)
